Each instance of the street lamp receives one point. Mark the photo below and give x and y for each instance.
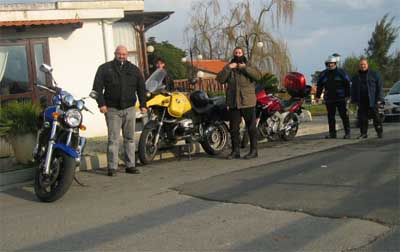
(150, 49)
(247, 38)
(199, 57)
(337, 56)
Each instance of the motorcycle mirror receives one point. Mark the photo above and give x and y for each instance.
(93, 94)
(46, 68)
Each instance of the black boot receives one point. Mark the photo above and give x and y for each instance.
(233, 155)
(331, 136)
(347, 134)
(252, 154)
(253, 145)
(253, 151)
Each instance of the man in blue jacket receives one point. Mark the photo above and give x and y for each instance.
(336, 86)
(367, 93)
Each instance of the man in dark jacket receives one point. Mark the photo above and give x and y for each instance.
(336, 86)
(117, 83)
(367, 93)
(241, 100)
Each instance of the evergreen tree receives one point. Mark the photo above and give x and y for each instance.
(382, 39)
(172, 56)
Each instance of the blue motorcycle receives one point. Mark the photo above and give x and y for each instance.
(59, 146)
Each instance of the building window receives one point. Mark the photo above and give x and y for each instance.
(19, 69)
(14, 65)
(124, 34)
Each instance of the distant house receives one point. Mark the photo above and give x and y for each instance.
(210, 68)
(75, 37)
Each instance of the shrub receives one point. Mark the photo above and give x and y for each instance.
(19, 118)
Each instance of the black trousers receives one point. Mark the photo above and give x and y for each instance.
(364, 113)
(331, 106)
(235, 117)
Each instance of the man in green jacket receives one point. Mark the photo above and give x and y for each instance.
(241, 100)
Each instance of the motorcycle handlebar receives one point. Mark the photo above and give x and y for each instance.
(53, 90)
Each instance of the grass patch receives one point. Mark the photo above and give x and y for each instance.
(316, 110)
(320, 109)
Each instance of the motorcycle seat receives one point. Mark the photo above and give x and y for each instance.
(213, 102)
(287, 104)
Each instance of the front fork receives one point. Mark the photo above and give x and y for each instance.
(50, 145)
(50, 149)
(159, 128)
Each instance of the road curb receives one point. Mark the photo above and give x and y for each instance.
(17, 176)
(99, 159)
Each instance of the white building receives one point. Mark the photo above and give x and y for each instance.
(74, 37)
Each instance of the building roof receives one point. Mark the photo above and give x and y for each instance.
(148, 19)
(76, 23)
(210, 66)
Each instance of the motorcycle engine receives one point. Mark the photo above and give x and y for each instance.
(185, 127)
(273, 124)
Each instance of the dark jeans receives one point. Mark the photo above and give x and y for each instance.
(364, 113)
(331, 106)
(249, 115)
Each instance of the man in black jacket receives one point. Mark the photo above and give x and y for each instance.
(367, 93)
(117, 83)
(336, 85)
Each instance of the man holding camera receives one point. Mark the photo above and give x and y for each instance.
(241, 100)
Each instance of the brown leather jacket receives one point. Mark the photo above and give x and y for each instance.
(241, 89)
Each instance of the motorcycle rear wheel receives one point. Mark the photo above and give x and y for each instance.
(216, 141)
(48, 188)
(147, 148)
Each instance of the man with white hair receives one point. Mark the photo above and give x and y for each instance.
(117, 82)
(367, 93)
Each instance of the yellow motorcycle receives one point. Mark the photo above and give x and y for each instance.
(178, 116)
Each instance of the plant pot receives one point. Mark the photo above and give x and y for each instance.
(23, 146)
(5, 147)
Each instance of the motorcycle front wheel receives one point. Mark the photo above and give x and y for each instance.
(147, 148)
(216, 140)
(49, 188)
(292, 122)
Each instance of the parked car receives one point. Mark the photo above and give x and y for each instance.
(392, 101)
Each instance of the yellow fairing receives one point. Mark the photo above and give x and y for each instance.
(180, 104)
(159, 100)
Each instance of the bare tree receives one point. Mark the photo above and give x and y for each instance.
(216, 32)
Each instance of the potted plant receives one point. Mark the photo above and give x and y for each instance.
(19, 121)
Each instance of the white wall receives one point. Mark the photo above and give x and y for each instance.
(75, 60)
(75, 56)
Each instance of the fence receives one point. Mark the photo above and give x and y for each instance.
(210, 85)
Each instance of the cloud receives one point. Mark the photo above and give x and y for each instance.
(352, 4)
(359, 4)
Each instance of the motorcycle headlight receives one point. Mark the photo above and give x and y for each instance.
(80, 104)
(73, 118)
(68, 100)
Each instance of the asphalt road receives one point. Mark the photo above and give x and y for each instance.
(353, 181)
(311, 194)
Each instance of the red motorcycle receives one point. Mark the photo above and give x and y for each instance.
(279, 119)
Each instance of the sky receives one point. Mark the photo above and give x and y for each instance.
(319, 28)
